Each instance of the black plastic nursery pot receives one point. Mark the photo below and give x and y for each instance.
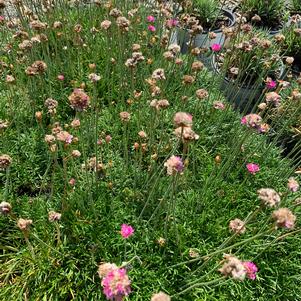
(243, 97)
(183, 38)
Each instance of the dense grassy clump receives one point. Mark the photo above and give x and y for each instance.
(90, 119)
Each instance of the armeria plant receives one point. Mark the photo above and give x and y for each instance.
(269, 14)
(249, 57)
(120, 157)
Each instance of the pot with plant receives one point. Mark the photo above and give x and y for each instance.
(248, 65)
(201, 25)
(269, 15)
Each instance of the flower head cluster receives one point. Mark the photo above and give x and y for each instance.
(159, 104)
(284, 218)
(253, 168)
(293, 184)
(160, 297)
(237, 226)
(269, 197)
(126, 231)
(116, 284)
(251, 269)
(237, 269)
(23, 224)
(51, 105)
(233, 268)
(252, 121)
(5, 161)
(38, 67)
(134, 60)
(5, 208)
(183, 124)
(54, 216)
(273, 98)
(79, 100)
(174, 165)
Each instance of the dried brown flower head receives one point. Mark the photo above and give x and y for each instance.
(5, 161)
(284, 218)
(5, 208)
(237, 226)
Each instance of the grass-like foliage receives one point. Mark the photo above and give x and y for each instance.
(124, 172)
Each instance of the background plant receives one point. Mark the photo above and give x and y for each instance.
(271, 13)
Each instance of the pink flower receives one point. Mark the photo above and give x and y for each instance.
(61, 77)
(2, 18)
(174, 165)
(270, 84)
(151, 19)
(116, 284)
(72, 182)
(108, 139)
(172, 23)
(253, 168)
(126, 230)
(251, 269)
(151, 28)
(216, 47)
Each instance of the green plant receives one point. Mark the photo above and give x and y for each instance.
(266, 13)
(92, 111)
(296, 5)
(291, 45)
(208, 12)
(249, 58)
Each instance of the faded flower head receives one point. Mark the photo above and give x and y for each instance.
(125, 116)
(51, 105)
(105, 268)
(233, 268)
(64, 136)
(182, 119)
(284, 218)
(123, 23)
(23, 224)
(160, 297)
(93, 77)
(158, 74)
(106, 24)
(174, 165)
(5, 161)
(237, 226)
(273, 98)
(186, 134)
(269, 197)
(293, 185)
(54, 216)
(116, 284)
(3, 124)
(5, 208)
(251, 120)
(201, 93)
(79, 100)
